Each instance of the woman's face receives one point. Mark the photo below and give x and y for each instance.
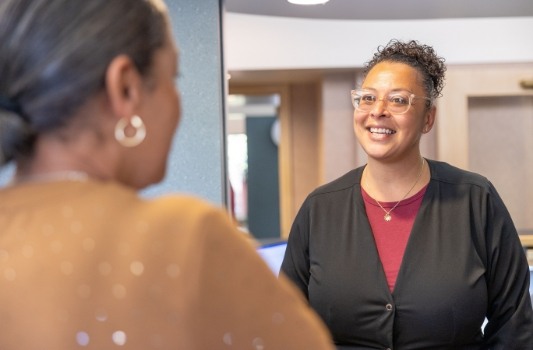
(161, 112)
(387, 136)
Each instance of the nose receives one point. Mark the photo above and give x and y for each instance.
(379, 108)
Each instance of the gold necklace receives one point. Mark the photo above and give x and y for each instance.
(387, 215)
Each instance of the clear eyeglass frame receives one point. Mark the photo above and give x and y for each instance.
(398, 102)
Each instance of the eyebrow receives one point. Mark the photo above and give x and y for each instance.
(393, 90)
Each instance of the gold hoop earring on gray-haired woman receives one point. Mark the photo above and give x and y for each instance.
(130, 141)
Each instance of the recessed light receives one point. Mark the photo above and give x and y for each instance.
(307, 2)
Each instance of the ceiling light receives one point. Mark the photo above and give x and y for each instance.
(307, 2)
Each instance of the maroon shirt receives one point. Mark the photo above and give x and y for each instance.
(391, 236)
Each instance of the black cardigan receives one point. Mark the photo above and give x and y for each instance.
(463, 262)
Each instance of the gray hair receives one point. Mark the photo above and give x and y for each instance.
(54, 55)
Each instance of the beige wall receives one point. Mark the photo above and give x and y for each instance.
(305, 147)
(463, 82)
(339, 151)
(485, 124)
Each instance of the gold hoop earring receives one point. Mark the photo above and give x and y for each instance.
(130, 141)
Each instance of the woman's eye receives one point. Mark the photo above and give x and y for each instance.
(368, 98)
(398, 100)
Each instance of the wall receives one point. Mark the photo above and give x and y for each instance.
(484, 124)
(340, 151)
(305, 147)
(197, 160)
(263, 42)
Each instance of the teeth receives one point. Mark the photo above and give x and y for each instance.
(381, 131)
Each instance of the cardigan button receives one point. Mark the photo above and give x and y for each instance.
(388, 307)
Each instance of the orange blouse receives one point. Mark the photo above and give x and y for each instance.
(92, 265)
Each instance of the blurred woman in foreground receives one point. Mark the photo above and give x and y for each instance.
(88, 110)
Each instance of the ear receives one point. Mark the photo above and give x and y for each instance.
(429, 119)
(123, 86)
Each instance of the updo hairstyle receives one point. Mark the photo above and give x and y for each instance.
(54, 55)
(421, 57)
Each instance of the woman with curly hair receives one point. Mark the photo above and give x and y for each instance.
(407, 252)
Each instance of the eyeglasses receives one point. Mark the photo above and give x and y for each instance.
(397, 102)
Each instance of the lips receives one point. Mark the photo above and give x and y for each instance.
(382, 131)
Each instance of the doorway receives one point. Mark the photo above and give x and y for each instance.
(253, 140)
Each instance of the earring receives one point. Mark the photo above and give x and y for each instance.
(130, 141)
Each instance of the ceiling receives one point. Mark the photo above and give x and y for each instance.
(385, 9)
(365, 10)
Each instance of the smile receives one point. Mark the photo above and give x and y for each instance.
(382, 131)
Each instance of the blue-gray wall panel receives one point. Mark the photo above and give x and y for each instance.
(197, 160)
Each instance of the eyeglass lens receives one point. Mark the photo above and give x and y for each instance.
(395, 103)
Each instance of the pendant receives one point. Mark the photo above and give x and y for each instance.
(387, 217)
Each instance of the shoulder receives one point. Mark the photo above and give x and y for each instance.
(334, 193)
(172, 215)
(172, 204)
(339, 186)
(182, 211)
(448, 174)
(124, 201)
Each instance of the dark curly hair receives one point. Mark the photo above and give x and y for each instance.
(421, 57)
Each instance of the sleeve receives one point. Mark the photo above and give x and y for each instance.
(296, 265)
(510, 316)
(243, 302)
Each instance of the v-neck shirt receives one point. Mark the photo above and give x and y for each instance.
(463, 262)
(392, 236)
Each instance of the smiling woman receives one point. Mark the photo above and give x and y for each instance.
(392, 253)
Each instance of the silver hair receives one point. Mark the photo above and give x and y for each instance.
(55, 54)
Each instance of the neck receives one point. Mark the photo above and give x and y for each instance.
(51, 156)
(390, 182)
(68, 175)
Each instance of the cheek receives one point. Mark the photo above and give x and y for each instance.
(415, 122)
(170, 107)
(177, 106)
(358, 119)
(173, 100)
(167, 114)
(175, 113)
